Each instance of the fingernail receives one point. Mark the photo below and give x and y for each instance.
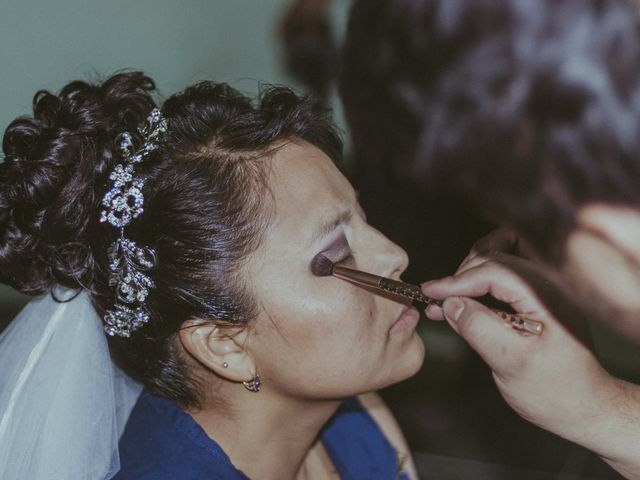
(453, 309)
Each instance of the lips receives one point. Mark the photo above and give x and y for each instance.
(406, 321)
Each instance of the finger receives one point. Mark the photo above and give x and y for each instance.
(471, 262)
(474, 282)
(501, 239)
(434, 312)
(488, 278)
(496, 255)
(487, 334)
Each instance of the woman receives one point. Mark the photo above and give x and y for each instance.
(193, 235)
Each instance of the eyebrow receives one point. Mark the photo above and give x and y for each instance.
(329, 226)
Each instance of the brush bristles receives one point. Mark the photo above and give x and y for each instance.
(321, 266)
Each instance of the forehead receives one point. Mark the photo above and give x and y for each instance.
(307, 188)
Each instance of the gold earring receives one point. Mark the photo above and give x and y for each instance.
(254, 384)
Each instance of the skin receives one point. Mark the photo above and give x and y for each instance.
(316, 340)
(598, 280)
(603, 265)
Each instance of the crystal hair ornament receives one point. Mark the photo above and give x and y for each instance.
(129, 261)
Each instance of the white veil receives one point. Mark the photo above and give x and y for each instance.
(63, 403)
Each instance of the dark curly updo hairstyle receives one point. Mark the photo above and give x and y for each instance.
(206, 203)
(526, 109)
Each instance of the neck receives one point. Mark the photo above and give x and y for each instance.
(260, 430)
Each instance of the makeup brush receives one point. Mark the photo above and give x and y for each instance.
(321, 266)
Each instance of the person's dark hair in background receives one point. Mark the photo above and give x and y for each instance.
(309, 46)
(384, 130)
(529, 111)
(513, 105)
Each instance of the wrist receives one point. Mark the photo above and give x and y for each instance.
(612, 425)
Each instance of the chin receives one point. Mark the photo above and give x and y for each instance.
(411, 360)
(398, 366)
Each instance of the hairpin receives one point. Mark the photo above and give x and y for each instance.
(128, 261)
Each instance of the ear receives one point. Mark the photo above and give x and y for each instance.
(220, 349)
(618, 225)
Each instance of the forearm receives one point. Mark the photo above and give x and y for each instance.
(614, 433)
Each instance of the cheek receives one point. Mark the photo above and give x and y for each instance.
(318, 328)
(328, 339)
(302, 304)
(322, 354)
(319, 319)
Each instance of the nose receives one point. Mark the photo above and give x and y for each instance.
(390, 259)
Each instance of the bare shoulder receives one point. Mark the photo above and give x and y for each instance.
(388, 424)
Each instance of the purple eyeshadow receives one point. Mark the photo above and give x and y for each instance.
(338, 249)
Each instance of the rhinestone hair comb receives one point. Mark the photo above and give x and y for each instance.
(129, 262)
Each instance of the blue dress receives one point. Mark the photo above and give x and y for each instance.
(162, 442)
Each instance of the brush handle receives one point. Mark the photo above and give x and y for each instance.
(517, 321)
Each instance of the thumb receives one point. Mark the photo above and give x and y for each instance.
(483, 330)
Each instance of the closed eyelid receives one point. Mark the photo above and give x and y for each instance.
(338, 249)
(326, 228)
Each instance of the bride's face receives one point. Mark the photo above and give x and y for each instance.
(322, 337)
